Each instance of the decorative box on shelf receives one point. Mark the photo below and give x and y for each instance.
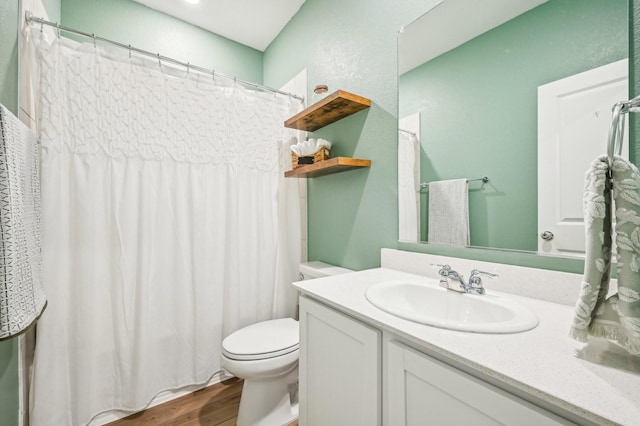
(320, 155)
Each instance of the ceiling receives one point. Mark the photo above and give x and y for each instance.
(450, 24)
(254, 23)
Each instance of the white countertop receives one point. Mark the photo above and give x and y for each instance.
(600, 383)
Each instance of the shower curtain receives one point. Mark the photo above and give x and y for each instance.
(167, 224)
(408, 187)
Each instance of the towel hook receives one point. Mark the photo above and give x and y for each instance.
(620, 138)
(616, 132)
(618, 120)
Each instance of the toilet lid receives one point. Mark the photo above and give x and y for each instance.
(263, 340)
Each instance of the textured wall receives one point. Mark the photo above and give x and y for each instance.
(9, 382)
(350, 45)
(9, 54)
(53, 9)
(478, 106)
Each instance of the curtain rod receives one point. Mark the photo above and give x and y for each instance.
(30, 19)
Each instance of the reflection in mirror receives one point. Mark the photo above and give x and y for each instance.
(473, 103)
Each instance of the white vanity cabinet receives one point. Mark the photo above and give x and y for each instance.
(344, 363)
(424, 391)
(340, 369)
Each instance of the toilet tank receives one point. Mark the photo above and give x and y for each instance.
(316, 269)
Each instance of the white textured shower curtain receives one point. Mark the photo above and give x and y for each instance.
(165, 227)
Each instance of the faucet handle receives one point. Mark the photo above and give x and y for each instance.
(438, 265)
(444, 269)
(476, 273)
(475, 282)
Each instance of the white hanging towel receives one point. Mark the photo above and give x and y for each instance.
(21, 297)
(449, 212)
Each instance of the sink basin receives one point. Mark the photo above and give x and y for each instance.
(427, 303)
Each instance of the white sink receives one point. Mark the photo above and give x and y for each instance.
(427, 303)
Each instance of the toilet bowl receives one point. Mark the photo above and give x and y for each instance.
(265, 355)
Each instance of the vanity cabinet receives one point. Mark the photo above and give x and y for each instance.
(344, 363)
(340, 371)
(424, 391)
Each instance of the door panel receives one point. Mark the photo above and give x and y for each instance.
(574, 115)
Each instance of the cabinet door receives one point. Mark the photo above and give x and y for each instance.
(339, 368)
(424, 391)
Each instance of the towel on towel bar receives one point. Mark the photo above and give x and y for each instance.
(449, 212)
(616, 318)
(21, 298)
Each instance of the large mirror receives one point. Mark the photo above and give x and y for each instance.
(517, 91)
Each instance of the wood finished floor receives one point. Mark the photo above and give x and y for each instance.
(216, 405)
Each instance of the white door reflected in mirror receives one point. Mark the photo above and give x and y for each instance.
(574, 116)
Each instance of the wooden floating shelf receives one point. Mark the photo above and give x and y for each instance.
(334, 107)
(327, 167)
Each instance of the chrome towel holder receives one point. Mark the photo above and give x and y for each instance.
(484, 179)
(616, 131)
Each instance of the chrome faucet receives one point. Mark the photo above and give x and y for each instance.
(474, 286)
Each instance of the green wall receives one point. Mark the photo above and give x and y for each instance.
(9, 55)
(129, 22)
(478, 108)
(352, 215)
(350, 45)
(9, 382)
(53, 8)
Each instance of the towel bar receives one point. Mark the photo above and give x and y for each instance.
(484, 179)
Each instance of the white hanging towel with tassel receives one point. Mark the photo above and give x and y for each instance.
(21, 298)
(449, 212)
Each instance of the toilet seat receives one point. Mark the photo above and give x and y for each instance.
(264, 340)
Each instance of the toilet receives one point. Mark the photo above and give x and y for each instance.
(265, 355)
